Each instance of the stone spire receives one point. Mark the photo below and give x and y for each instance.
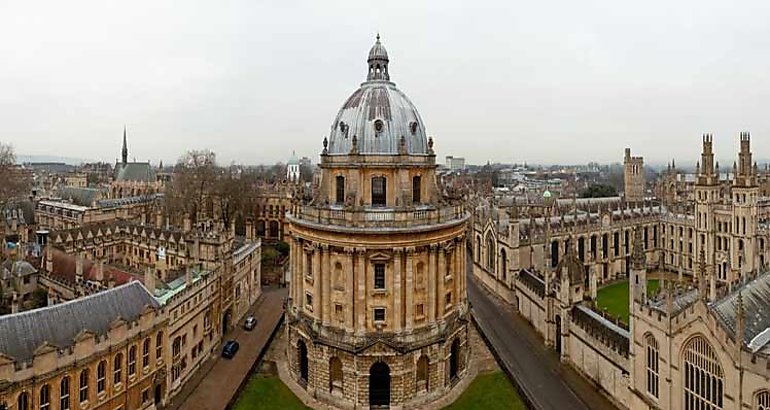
(124, 151)
(638, 258)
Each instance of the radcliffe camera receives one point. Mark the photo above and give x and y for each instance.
(396, 205)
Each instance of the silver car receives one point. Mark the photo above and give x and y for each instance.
(250, 322)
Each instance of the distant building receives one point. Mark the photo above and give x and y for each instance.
(293, 169)
(455, 163)
(633, 177)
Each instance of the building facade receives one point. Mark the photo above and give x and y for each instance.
(700, 342)
(378, 313)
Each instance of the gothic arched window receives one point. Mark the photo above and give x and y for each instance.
(340, 193)
(653, 369)
(490, 253)
(703, 376)
(762, 400)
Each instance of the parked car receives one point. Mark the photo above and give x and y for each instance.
(230, 349)
(250, 322)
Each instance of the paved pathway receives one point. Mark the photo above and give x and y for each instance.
(546, 383)
(218, 381)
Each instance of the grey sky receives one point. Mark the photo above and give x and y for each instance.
(567, 81)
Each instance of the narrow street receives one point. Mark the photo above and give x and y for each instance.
(546, 383)
(215, 385)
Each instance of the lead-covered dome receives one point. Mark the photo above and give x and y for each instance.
(378, 114)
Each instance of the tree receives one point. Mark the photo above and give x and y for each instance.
(599, 191)
(15, 185)
(190, 191)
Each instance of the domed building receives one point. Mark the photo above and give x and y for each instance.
(377, 313)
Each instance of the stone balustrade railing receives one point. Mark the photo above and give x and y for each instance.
(378, 217)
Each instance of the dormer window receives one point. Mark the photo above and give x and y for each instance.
(378, 126)
(413, 127)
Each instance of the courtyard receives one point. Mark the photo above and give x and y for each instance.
(614, 298)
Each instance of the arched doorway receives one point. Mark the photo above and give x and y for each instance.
(558, 334)
(379, 386)
(226, 320)
(303, 362)
(454, 361)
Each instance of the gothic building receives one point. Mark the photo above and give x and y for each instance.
(701, 342)
(378, 312)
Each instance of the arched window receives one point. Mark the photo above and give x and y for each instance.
(335, 376)
(132, 361)
(339, 277)
(379, 193)
(490, 253)
(703, 376)
(83, 392)
(159, 345)
(146, 352)
(45, 397)
(416, 189)
(478, 249)
(176, 347)
(23, 401)
(117, 369)
(101, 376)
(762, 400)
(340, 180)
(64, 393)
(422, 373)
(503, 264)
(554, 254)
(653, 369)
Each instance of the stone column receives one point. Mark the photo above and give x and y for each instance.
(326, 278)
(300, 274)
(350, 291)
(432, 282)
(458, 273)
(398, 313)
(409, 289)
(361, 308)
(440, 288)
(317, 306)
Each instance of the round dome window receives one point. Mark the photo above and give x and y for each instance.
(378, 126)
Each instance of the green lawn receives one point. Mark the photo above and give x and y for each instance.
(267, 392)
(491, 391)
(614, 298)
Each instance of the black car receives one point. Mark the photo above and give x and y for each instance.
(230, 349)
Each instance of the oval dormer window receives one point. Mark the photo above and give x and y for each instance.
(413, 127)
(378, 126)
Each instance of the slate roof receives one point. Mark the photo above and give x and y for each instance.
(22, 333)
(16, 268)
(135, 171)
(756, 307)
(81, 196)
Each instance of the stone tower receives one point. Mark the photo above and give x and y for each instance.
(633, 177)
(638, 270)
(745, 192)
(706, 198)
(377, 315)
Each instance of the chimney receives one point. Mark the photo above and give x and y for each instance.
(189, 276)
(78, 267)
(110, 281)
(149, 280)
(48, 259)
(100, 270)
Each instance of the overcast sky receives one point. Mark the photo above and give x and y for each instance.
(551, 81)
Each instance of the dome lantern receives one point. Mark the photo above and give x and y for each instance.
(378, 62)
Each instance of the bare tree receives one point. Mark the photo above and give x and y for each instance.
(189, 192)
(14, 184)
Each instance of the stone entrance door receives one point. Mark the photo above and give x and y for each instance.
(454, 361)
(303, 365)
(379, 386)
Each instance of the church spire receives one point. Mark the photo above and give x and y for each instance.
(124, 152)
